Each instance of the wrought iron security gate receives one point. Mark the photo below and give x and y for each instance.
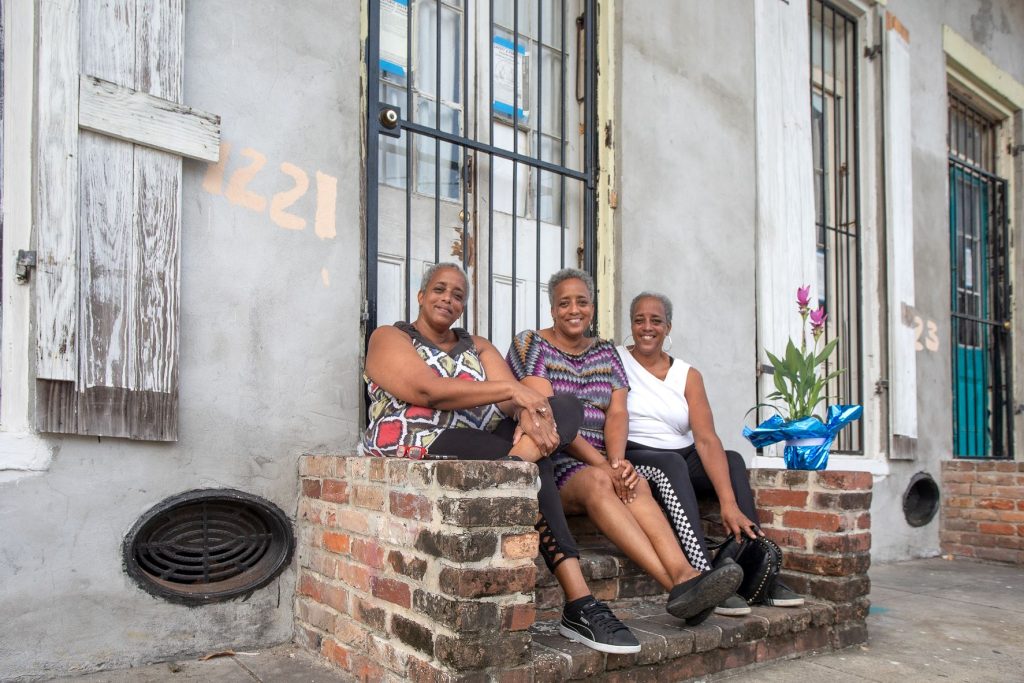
(980, 290)
(481, 149)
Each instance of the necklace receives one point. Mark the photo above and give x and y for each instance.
(574, 349)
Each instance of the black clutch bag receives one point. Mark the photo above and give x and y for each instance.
(761, 561)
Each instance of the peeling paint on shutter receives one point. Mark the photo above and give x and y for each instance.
(128, 221)
(899, 193)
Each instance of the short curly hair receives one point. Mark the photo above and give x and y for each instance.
(569, 274)
(665, 301)
(430, 272)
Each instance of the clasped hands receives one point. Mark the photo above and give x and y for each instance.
(536, 421)
(624, 478)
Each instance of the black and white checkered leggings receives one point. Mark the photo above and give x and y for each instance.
(676, 478)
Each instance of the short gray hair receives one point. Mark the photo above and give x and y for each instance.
(665, 301)
(430, 272)
(569, 274)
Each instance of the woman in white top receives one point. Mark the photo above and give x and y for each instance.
(673, 444)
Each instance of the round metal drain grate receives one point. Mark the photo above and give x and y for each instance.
(209, 545)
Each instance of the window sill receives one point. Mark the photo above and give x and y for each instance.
(878, 467)
(22, 453)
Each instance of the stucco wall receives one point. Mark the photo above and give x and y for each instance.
(269, 355)
(687, 200)
(270, 315)
(995, 29)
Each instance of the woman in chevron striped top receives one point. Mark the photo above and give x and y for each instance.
(592, 474)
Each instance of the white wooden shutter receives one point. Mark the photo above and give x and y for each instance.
(899, 211)
(785, 257)
(111, 133)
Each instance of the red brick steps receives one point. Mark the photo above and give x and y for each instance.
(427, 571)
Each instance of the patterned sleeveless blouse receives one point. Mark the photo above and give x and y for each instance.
(395, 424)
(591, 377)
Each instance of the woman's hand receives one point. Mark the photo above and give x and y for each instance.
(624, 478)
(737, 523)
(535, 419)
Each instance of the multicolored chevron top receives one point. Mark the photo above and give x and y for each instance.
(591, 376)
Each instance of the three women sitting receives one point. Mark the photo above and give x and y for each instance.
(567, 414)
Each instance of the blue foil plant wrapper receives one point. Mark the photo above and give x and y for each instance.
(804, 456)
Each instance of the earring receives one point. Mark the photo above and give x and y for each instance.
(626, 343)
(668, 338)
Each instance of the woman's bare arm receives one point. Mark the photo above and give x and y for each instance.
(712, 455)
(392, 362)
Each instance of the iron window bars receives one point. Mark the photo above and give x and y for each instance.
(980, 331)
(481, 148)
(835, 144)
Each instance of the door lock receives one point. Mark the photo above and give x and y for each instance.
(389, 118)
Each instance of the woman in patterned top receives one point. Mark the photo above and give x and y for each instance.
(435, 390)
(592, 474)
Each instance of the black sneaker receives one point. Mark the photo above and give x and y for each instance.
(782, 595)
(595, 626)
(733, 606)
(693, 598)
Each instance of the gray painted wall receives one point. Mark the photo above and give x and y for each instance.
(270, 318)
(996, 29)
(269, 357)
(687, 201)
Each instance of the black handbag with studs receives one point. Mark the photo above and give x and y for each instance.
(761, 561)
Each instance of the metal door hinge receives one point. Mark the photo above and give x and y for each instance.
(1014, 150)
(872, 51)
(24, 265)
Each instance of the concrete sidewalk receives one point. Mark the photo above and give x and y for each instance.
(935, 619)
(954, 620)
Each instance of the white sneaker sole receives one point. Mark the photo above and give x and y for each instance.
(792, 602)
(732, 611)
(594, 645)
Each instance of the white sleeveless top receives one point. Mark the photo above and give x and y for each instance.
(658, 413)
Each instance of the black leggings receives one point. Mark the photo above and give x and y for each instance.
(677, 477)
(556, 542)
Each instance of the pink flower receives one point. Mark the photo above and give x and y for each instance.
(818, 317)
(803, 297)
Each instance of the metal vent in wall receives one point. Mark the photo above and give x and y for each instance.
(208, 545)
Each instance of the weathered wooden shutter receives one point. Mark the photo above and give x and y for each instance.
(111, 133)
(899, 193)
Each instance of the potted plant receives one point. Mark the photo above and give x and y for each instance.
(801, 378)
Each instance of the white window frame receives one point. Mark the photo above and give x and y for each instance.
(22, 450)
(777, 310)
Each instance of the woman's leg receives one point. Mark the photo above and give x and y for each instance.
(639, 529)
(737, 475)
(670, 482)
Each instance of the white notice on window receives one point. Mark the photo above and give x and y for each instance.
(508, 74)
(394, 25)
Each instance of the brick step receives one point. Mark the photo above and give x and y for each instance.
(672, 651)
(609, 574)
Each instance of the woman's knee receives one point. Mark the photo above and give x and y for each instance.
(643, 488)
(736, 462)
(591, 484)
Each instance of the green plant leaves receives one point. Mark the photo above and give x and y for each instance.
(796, 379)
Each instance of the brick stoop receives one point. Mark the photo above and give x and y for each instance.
(428, 571)
(672, 651)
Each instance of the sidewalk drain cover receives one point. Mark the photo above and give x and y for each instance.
(208, 545)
